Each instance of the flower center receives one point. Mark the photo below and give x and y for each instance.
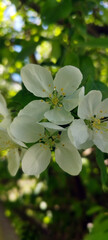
(98, 124)
(55, 100)
(50, 140)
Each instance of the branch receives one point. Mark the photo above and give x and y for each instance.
(97, 31)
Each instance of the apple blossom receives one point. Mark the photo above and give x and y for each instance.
(5, 117)
(7, 142)
(45, 137)
(92, 127)
(61, 95)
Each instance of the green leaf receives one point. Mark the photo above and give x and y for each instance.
(27, 50)
(101, 165)
(100, 228)
(101, 42)
(88, 71)
(71, 58)
(53, 11)
(20, 100)
(97, 85)
(56, 50)
(94, 209)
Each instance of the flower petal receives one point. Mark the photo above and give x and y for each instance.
(3, 110)
(36, 159)
(36, 109)
(71, 102)
(51, 126)
(78, 132)
(68, 158)
(67, 80)
(102, 109)
(87, 107)
(64, 139)
(5, 140)
(88, 144)
(2, 100)
(5, 122)
(16, 141)
(37, 80)
(59, 116)
(26, 130)
(100, 139)
(13, 161)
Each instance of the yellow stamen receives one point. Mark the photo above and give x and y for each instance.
(96, 123)
(55, 100)
(62, 89)
(60, 105)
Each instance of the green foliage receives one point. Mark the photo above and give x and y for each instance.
(100, 228)
(61, 8)
(55, 33)
(100, 162)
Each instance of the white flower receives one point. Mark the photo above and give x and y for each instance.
(45, 137)
(14, 150)
(7, 142)
(5, 117)
(61, 94)
(92, 127)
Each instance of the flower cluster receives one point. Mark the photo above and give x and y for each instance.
(7, 141)
(48, 123)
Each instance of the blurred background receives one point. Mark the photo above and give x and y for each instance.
(54, 33)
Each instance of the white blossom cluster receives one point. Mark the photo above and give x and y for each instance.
(47, 124)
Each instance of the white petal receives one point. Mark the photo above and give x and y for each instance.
(102, 109)
(5, 140)
(14, 139)
(68, 158)
(13, 161)
(2, 100)
(26, 130)
(51, 126)
(36, 109)
(5, 122)
(78, 131)
(68, 78)
(87, 107)
(37, 80)
(64, 139)
(59, 116)
(101, 140)
(36, 159)
(88, 144)
(71, 102)
(3, 110)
